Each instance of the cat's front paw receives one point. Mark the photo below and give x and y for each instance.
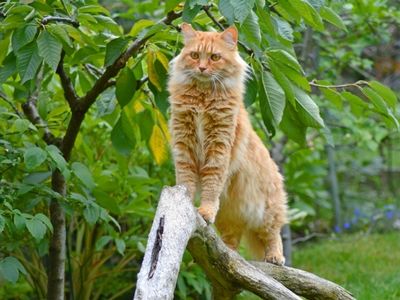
(208, 212)
(275, 258)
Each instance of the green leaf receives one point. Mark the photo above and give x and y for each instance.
(45, 220)
(83, 174)
(226, 9)
(49, 49)
(275, 97)
(193, 3)
(333, 96)
(242, 9)
(292, 127)
(23, 36)
(91, 214)
(28, 61)
(10, 268)
(34, 157)
(37, 177)
(250, 29)
(93, 9)
(308, 111)
(58, 159)
(106, 201)
(329, 15)
(285, 58)
(140, 25)
(8, 68)
(122, 135)
(101, 242)
(294, 76)
(2, 223)
(36, 228)
(106, 102)
(284, 29)
(21, 125)
(120, 246)
(190, 13)
(113, 50)
(4, 45)
(19, 221)
(309, 14)
(251, 90)
(386, 93)
(283, 82)
(60, 33)
(125, 87)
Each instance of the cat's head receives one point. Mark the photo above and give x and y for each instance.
(209, 57)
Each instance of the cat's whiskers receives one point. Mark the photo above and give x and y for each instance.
(219, 79)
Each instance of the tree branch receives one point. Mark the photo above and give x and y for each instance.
(69, 91)
(357, 84)
(111, 71)
(228, 272)
(48, 19)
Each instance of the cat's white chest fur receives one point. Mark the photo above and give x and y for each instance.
(200, 137)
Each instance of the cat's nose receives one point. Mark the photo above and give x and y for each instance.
(202, 69)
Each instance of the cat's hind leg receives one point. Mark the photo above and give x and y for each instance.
(266, 245)
(230, 232)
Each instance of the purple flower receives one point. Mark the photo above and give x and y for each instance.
(346, 225)
(357, 212)
(337, 229)
(389, 214)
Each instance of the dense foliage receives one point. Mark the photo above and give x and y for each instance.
(82, 97)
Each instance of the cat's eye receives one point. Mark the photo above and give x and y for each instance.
(194, 55)
(215, 57)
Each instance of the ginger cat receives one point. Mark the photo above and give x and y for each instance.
(215, 147)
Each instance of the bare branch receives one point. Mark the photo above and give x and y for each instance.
(48, 19)
(357, 84)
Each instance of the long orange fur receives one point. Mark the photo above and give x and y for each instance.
(215, 148)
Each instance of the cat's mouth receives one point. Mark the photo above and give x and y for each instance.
(203, 77)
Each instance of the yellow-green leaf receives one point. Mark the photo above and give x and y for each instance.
(153, 76)
(158, 145)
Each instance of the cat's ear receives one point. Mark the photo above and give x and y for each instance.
(230, 35)
(188, 32)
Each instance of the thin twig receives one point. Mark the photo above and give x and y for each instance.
(48, 19)
(357, 84)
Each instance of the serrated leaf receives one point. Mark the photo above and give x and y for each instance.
(158, 145)
(83, 174)
(250, 29)
(292, 127)
(308, 111)
(226, 9)
(283, 82)
(4, 45)
(329, 15)
(285, 58)
(188, 13)
(49, 49)
(93, 9)
(113, 50)
(8, 68)
(34, 157)
(60, 33)
(309, 14)
(284, 29)
(386, 93)
(36, 228)
(23, 36)
(28, 61)
(125, 87)
(242, 9)
(163, 60)
(275, 97)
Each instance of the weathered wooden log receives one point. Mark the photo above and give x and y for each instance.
(177, 225)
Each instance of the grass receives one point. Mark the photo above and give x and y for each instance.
(367, 266)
